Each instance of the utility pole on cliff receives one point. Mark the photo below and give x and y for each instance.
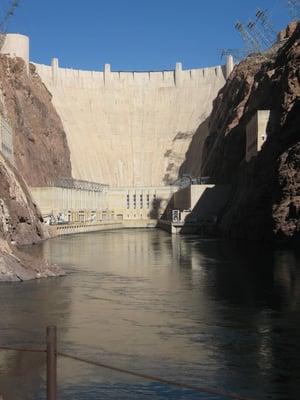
(294, 8)
(264, 21)
(251, 43)
(261, 38)
(5, 20)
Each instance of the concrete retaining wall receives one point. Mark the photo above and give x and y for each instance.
(59, 230)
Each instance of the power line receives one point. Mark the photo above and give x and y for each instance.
(262, 18)
(251, 43)
(5, 20)
(294, 8)
(261, 37)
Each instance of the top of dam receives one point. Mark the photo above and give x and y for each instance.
(17, 45)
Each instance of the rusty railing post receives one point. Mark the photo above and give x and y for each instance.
(51, 363)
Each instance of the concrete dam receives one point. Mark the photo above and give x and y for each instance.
(130, 128)
(127, 130)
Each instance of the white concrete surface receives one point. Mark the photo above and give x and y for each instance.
(229, 65)
(127, 128)
(126, 203)
(130, 128)
(139, 203)
(256, 133)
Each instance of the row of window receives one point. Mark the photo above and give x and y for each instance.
(142, 200)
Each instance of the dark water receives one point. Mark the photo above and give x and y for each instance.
(202, 312)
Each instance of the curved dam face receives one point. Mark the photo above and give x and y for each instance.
(130, 128)
(127, 129)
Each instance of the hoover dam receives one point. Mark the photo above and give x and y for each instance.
(127, 128)
(129, 132)
(90, 161)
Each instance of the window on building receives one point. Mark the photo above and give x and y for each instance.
(141, 201)
(127, 201)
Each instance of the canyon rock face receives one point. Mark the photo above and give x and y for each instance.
(265, 202)
(41, 155)
(20, 224)
(40, 146)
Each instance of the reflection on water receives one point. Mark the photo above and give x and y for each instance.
(203, 312)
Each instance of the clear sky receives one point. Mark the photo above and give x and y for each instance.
(136, 34)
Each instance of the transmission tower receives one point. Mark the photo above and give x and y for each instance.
(251, 42)
(258, 34)
(5, 20)
(294, 8)
(264, 22)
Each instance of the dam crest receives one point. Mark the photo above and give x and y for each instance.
(156, 79)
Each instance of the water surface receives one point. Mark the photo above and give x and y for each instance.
(204, 312)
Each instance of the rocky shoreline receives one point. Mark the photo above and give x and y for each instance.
(20, 224)
(16, 266)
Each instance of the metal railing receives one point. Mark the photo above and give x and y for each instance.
(51, 375)
(70, 183)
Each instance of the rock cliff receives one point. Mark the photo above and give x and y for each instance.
(41, 155)
(40, 146)
(20, 223)
(265, 202)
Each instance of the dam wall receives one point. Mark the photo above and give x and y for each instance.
(127, 129)
(130, 128)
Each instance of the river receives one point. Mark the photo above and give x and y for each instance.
(209, 313)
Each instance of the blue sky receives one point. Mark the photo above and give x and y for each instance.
(135, 34)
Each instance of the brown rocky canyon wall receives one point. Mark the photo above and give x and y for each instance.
(265, 201)
(40, 145)
(41, 155)
(20, 223)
